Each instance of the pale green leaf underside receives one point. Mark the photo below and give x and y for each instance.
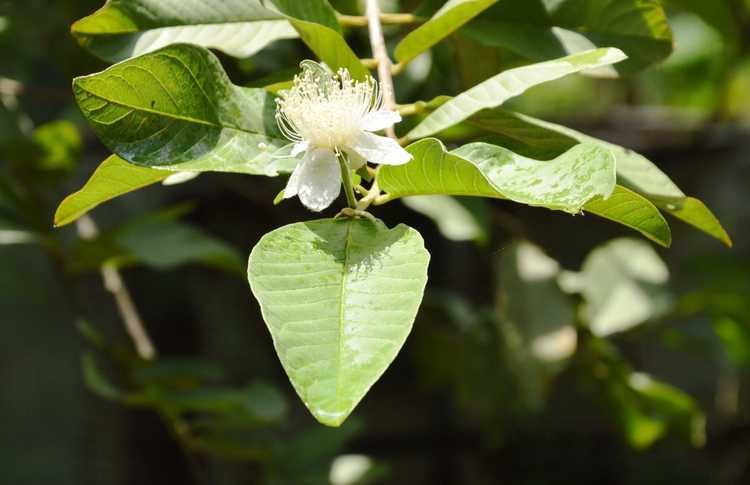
(498, 89)
(433, 171)
(633, 169)
(114, 177)
(566, 183)
(127, 28)
(339, 298)
(481, 169)
(446, 21)
(176, 109)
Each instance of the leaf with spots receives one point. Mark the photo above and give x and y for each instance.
(339, 298)
(175, 109)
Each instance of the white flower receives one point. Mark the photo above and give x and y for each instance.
(327, 115)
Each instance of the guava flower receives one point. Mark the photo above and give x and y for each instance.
(327, 116)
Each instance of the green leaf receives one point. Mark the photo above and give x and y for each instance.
(516, 132)
(315, 21)
(165, 245)
(695, 213)
(339, 298)
(566, 183)
(634, 211)
(634, 170)
(176, 109)
(96, 381)
(527, 276)
(433, 171)
(479, 169)
(546, 30)
(447, 20)
(498, 89)
(127, 28)
(59, 145)
(114, 177)
(454, 220)
(623, 284)
(317, 11)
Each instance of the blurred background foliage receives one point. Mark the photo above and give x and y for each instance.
(548, 349)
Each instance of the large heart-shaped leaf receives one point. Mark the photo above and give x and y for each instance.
(315, 21)
(498, 89)
(540, 30)
(435, 171)
(176, 109)
(127, 28)
(447, 20)
(339, 298)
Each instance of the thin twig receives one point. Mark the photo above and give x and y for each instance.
(386, 19)
(379, 52)
(116, 286)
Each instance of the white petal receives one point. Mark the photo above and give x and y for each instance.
(380, 149)
(298, 148)
(355, 159)
(292, 186)
(318, 179)
(380, 120)
(180, 178)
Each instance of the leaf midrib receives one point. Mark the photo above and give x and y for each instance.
(342, 299)
(163, 114)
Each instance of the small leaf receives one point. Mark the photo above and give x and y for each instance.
(498, 89)
(129, 28)
(339, 298)
(623, 284)
(447, 20)
(114, 177)
(315, 21)
(176, 109)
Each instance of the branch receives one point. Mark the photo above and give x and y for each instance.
(116, 286)
(386, 19)
(379, 52)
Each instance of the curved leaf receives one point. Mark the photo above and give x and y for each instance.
(546, 30)
(339, 298)
(480, 169)
(114, 177)
(434, 171)
(176, 109)
(635, 171)
(634, 211)
(447, 20)
(498, 89)
(315, 21)
(127, 28)
(695, 213)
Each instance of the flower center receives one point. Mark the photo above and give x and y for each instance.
(326, 109)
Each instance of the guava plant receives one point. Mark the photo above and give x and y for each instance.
(340, 294)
